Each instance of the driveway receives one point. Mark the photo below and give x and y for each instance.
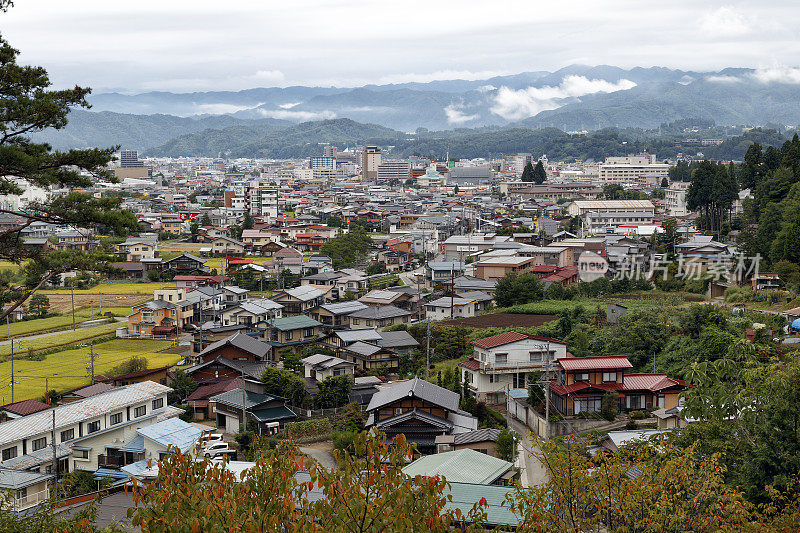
(322, 453)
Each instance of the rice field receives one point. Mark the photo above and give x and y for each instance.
(55, 340)
(111, 289)
(66, 370)
(30, 327)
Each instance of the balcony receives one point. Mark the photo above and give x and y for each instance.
(29, 500)
(511, 367)
(110, 461)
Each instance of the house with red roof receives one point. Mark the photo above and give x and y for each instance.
(503, 362)
(581, 383)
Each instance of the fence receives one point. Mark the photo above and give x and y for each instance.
(311, 414)
(519, 409)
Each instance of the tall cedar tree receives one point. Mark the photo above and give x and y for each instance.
(527, 172)
(539, 175)
(28, 105)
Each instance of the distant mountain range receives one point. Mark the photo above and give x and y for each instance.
(574, 98)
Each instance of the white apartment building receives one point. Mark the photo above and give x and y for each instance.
(503, 361)
(85, 430)
(392, 169)
(637, 169)
(581, 207)
(675, 198)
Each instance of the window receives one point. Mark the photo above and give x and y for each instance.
(288, 336)
(501, 358)
(38, 444)
(116, 418)
(80, 454)
(68, 434)
(92, 427)
(139, 411)
(584, 376)
(158, 403)
(535, 356)
(587, 405)
(308, 332)
(609, 376)
(9, 453)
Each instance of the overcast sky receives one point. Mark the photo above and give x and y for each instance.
(198, 45)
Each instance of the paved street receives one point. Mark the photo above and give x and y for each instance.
(533, 471)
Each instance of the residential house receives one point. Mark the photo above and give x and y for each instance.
(255, 312)
(380, 317)
(464, 466)
(368, 356)
(582, 381)
(157, 318)
(265, 411)
(380, 298)
(84, 392)
(336, 315)
(84, 429)
(237, 347)
(495, 268)
(321, 366)
(419, 410)
(227, 246)
(299, 300)
(224, 369)
(401, 342)
(134, 250)
(480, 440)
(198, 400)
(149, 445)
(481, 299)
(186, 264)
(156, 375)
(467, 284)
(440, 273)
(448, 307)
(504, 361)
(293, 332)
(23, 489)
(23, 408)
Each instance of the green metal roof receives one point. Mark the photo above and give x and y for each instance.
(465, 495)
(294, 322)
(463, 466)
(273, 414)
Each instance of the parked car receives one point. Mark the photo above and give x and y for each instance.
(216, 448)
(210, 438)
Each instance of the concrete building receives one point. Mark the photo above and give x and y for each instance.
(394, 170)
(370, 161)
(675, 198)
(632, 169)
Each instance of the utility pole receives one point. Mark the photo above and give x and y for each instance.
(452, 290)
(72, 291)
(90, 366)
(244, 405)
(100, 293)
(55, 458)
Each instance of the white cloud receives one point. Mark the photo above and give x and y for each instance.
(289, 105)
(725, 22)
(441, 75)
(515, 105)
(455, 115)
(300, 116)
(222, 109)
(777, 74)
(486, 88)
(723, 79)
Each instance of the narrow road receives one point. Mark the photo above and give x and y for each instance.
(321, 454)
(533, 471)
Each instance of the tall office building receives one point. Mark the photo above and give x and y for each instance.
(329, 151)
(129, 159)
(394, 170)
(370, 161)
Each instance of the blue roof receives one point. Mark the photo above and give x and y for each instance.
(518, 393)
(796, 323)
(173, 432)
(135, 445)
(103, 473)
(134, 469)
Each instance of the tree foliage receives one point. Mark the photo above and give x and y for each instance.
(366, 492)
(347, 249)
(29, 106)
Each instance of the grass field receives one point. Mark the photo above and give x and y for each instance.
(59, 339)
(113, 289)
(30, 327)
(67, 370)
